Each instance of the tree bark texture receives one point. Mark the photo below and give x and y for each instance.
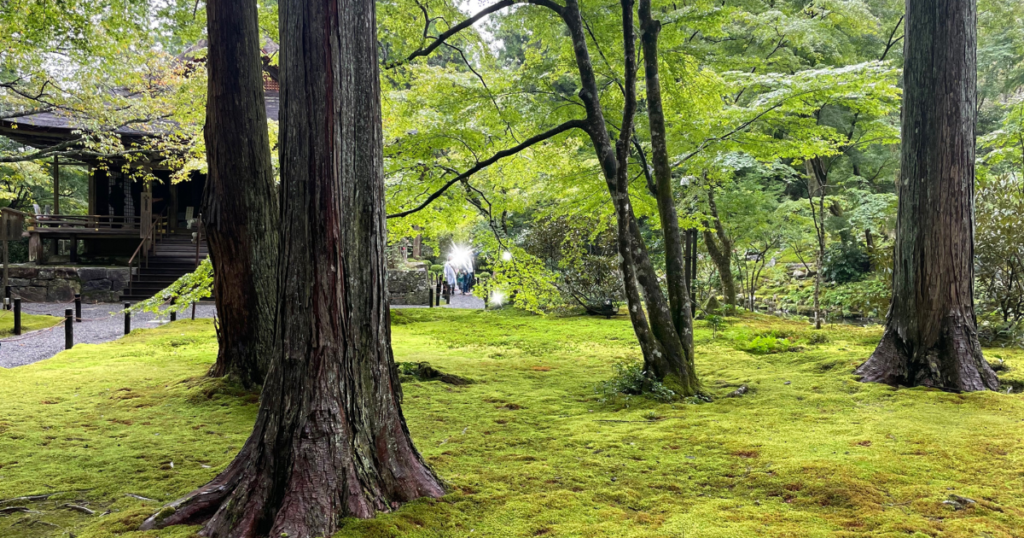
(667, 354)
(330, 440)
(930, 337)
(240, 210)
(720, 251)
(677, 271)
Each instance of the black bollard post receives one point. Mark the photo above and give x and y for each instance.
(17, 316)
(78, 307)
(127, 319)
(430, 297)
(174, 315)
(69, 329)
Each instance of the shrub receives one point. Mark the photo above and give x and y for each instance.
(817, 337)
(631, 380)
(765, 344)
(716, 323)
(845, 263)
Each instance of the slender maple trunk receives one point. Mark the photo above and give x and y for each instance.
(666, 355)
(677, 274)
(330, 440)
(676, 266)
(930, 337)
(720, 251)
(240, 214)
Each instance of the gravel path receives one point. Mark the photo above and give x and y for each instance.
(100, 323)
(467, 302)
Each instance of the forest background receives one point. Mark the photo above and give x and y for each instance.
(783, 132)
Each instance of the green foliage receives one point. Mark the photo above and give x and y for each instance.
(182, 293)
(716, 323)
(844, 263)
(764, 344)
(631, 380)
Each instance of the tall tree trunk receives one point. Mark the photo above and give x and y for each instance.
(240, 212)
(720, 251)
(330, 440)
(676, 273)
(667, 354)
(930, 336)
(817, 182)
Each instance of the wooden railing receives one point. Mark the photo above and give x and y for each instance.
(98, 222)
(148, 243)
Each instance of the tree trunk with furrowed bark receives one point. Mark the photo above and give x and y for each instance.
(930, 337)
(330, 440)
(240, 212)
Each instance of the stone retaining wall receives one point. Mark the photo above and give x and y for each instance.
(409, 287)
(60, 284)
(48, 284)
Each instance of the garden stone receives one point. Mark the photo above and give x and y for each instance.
(101, 296)
(92, 273)
(24, 272)
(96, 285)
(60, 293)
(33, 294)
(738, 392)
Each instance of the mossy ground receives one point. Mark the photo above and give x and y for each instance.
(29, 322)
(529, 450)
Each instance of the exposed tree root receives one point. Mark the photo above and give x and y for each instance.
(954, 361)
(425, 372)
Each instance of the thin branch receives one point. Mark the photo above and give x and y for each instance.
(439, 40)
(490, 94)
(725, 136)
(569, 125)
(889, 44)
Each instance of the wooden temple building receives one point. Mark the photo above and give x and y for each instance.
(126, 219)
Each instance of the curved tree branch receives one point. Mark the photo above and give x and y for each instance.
(569, 125)
(439, 40)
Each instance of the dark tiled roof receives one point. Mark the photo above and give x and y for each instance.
(59, 123)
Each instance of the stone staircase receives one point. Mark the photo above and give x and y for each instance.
(173, 257)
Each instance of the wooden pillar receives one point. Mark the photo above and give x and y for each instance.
(417, 244)
(7, 263)
(92, 191)
(35, 248)
(101, 193)
(56, 185)
(172, 212)
(55, 244)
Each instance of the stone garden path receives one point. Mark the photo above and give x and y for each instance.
(469, 302)
(100, 323)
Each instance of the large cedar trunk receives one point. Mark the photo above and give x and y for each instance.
(330, 440)
(930, 337)
(240, 215)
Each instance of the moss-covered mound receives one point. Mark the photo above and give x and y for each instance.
(529, 449)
